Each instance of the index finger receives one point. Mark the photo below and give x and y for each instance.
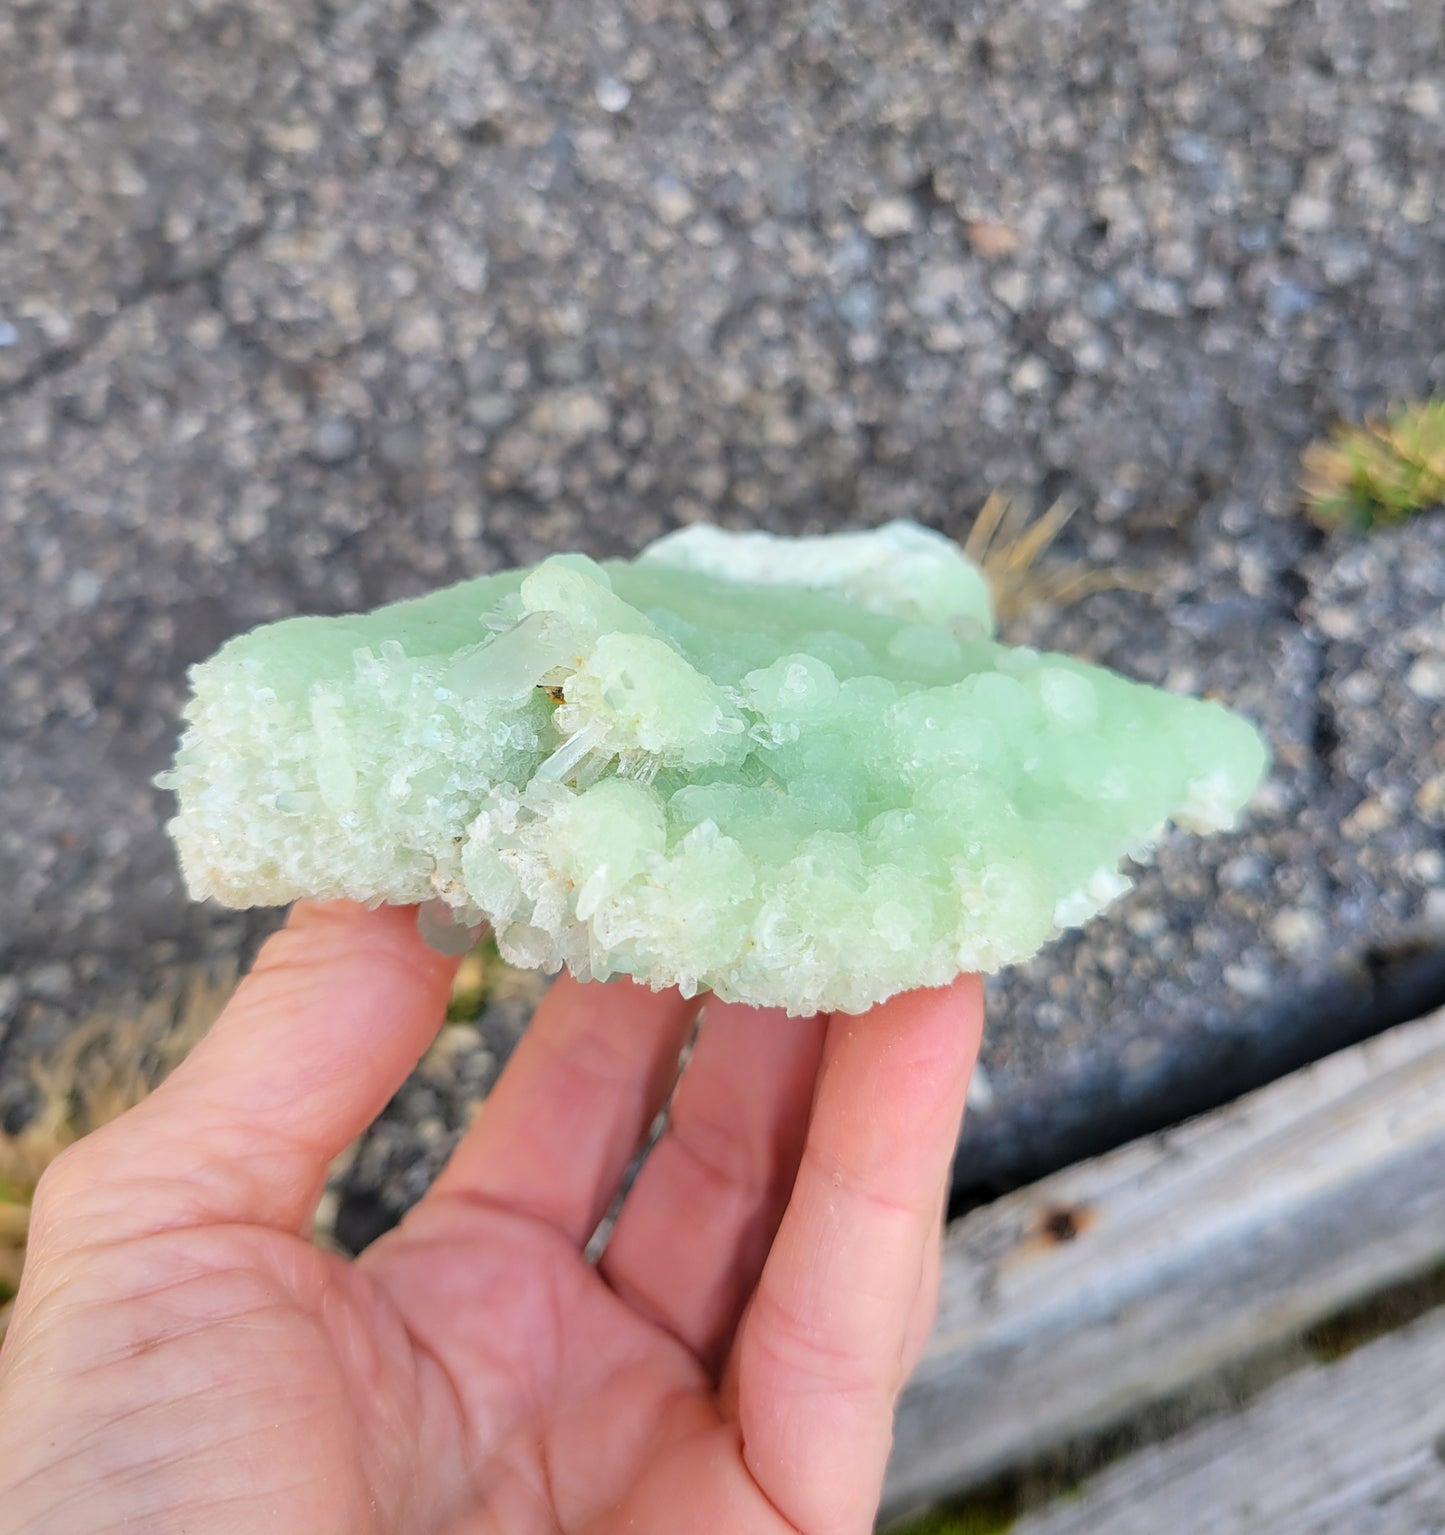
(822, 1355)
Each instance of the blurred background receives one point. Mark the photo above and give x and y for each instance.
(311, 304)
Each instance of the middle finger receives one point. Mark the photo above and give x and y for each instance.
(695, 1229)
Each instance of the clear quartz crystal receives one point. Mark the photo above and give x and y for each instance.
(799, 772)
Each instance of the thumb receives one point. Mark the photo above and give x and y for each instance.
(338, 1009)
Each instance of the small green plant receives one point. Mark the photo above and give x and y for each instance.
(1369, 476)
(484, 976)
(977, 1516)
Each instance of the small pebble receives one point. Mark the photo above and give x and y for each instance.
(671, 201)
(1426, 678)
(981, 1094)
(1428, 866)
(334, 441)
(1248, 981)
(1012, 289)
(401, 447)
(613, 95)
(1031, 376)
(83, 588)
(1297, 931)
(991, 240)
(571, 415)
(52, 981)
(890, 217)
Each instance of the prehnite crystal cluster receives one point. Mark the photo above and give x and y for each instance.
(799, 772)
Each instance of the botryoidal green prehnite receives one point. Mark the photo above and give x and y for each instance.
(799, 772)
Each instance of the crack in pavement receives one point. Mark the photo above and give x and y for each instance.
(53, 363)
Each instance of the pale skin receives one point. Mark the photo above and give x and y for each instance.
(182, 1358)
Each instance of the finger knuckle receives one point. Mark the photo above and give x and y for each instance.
(63, 1185)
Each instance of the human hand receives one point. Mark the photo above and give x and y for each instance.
(181, 1357)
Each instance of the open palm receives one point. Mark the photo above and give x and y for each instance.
(181, 1358)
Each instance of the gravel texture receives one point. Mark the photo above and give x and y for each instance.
(309, 305)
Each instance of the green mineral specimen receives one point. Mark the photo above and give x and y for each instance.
(799, 772)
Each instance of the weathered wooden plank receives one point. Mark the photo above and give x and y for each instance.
(1071, 1304)
(1353, 1448)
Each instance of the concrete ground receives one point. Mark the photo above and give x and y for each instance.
(306, 305)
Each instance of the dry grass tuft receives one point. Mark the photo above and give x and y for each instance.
(1377, 474)
(1007, 541)
(106, 1066)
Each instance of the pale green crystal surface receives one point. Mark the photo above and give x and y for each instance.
(799, 772)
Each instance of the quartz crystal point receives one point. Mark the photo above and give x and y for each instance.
(799, 772)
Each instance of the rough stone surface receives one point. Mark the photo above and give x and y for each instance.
(306, 306)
